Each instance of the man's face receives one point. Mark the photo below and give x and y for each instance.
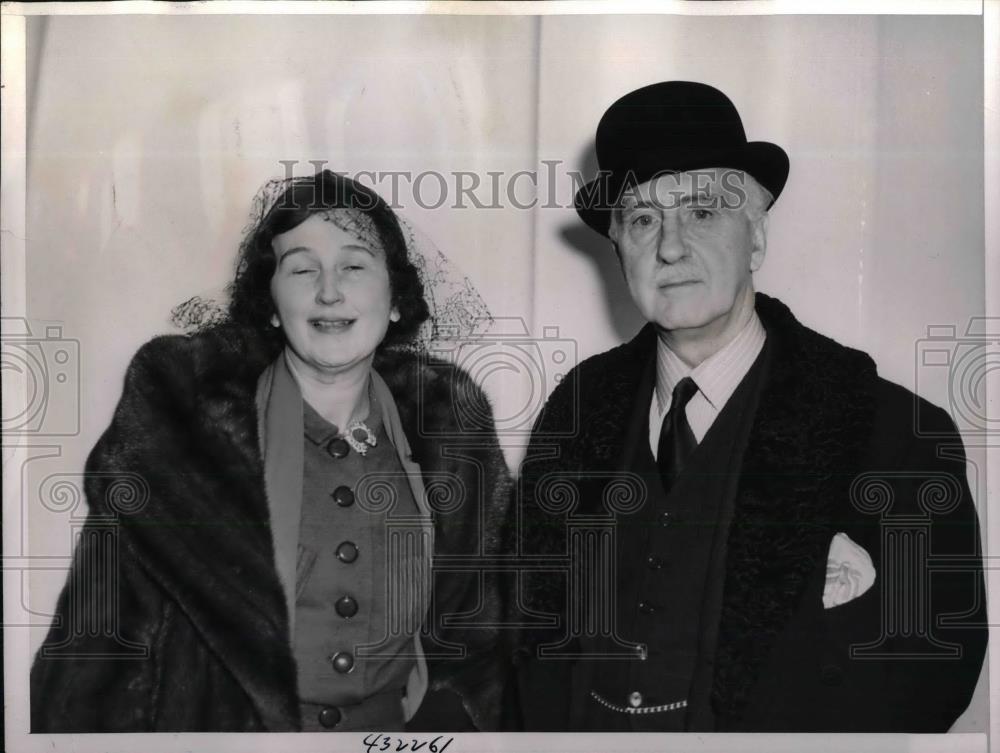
(688, 248)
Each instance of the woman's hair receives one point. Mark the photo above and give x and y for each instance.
(299, 199)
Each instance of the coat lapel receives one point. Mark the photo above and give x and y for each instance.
(813, 419)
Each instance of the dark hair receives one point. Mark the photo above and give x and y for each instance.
(299, 199)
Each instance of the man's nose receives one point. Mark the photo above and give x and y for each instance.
(329, 288)
(671, 245)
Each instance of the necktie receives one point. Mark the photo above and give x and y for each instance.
(677, 441)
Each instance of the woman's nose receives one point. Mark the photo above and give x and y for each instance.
(329, 289)
(671, 246)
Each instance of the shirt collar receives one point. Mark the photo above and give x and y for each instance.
(717, 376)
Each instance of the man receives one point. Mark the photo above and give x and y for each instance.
(747, 521)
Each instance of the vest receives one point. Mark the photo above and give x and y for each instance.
(670, 567)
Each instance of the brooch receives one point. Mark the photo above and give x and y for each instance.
(366, 440)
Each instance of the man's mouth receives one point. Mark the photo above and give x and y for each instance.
(331, 325)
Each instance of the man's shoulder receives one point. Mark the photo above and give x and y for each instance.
(598, 387)
(909, 416)
(622, 362)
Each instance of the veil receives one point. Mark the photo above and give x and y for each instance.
(457, 310)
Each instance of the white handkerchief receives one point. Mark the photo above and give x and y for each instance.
(849, 572)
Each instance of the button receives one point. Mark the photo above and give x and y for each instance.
(338, 448)
(347, 552)
(641, 651)
(635, 699)
(343, 496)
(654, 562)
(666, 519)
(329, 716)
(831, 674)
(342, 661)
(346, 607)
(646, 608)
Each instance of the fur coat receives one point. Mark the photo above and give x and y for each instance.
(187, 629)
(830, 442)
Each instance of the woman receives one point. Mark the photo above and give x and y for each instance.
(273, 565)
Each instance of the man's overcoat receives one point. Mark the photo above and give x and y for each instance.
(833, 448)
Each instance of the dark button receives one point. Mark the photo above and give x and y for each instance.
(666, 519)
(343, 496)
(347, 552)
(641, 651)
(329, 716)
(646, 608)
(346, 606)
(342, 661)
(831, 674)
(338, 448)
(654, 562)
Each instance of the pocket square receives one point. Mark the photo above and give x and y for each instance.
(849, 572)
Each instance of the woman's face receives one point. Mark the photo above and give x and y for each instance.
(331, 292)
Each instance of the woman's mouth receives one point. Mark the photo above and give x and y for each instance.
(331, 325)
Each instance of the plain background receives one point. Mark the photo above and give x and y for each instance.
(148, 137)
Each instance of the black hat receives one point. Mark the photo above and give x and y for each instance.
(672, 126)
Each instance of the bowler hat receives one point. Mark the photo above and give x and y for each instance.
(672, 126)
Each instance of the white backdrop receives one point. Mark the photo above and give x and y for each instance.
(148, 136)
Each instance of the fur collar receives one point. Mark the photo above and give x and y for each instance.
(187, 424)
(809, 434)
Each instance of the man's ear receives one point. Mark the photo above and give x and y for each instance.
(758, 235)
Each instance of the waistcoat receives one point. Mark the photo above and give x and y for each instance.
(669, 566)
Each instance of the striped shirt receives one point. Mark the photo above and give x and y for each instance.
(717, 378)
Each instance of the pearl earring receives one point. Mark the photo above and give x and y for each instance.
(275, 322)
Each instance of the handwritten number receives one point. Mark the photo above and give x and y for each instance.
(373, 740)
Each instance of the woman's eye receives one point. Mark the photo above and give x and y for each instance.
(354, 267)
(643, 220)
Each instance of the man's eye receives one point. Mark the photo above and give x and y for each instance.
(702, 214)
(305, 271)
(354, 267)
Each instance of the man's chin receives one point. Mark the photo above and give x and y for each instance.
(682, 322)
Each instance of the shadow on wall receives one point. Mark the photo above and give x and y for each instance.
(621, 312)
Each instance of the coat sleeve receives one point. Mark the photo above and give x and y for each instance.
(538, 694)
(95, 672)
(947, 647)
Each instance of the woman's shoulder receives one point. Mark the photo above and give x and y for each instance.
(443, 394)
(220, 352)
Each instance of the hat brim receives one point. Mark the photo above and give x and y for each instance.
(766, 162)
